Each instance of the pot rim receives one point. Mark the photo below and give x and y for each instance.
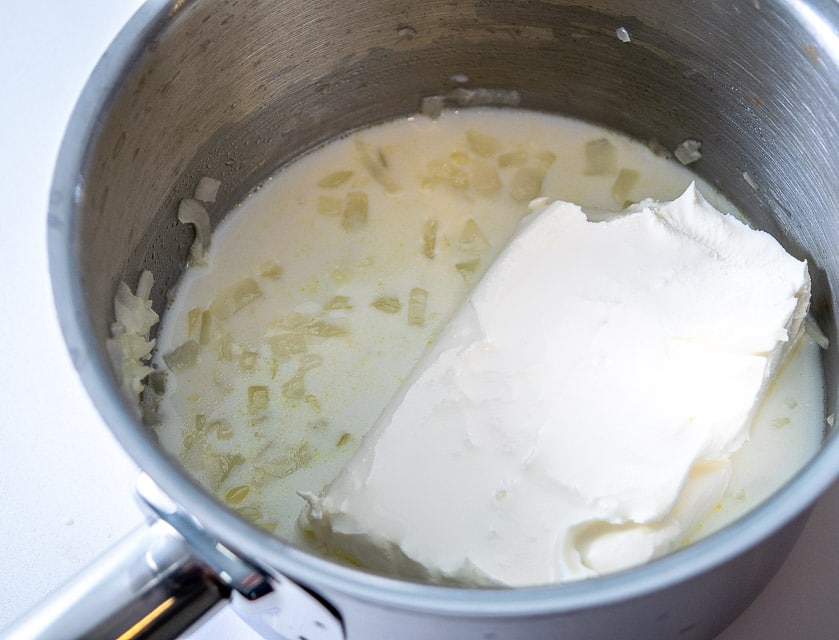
(793, 499)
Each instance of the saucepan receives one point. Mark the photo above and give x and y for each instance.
(237, 88)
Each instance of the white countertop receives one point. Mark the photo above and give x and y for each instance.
(67, 486)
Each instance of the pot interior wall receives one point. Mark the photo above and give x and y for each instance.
(234, 90)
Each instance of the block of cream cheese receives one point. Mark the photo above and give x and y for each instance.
(577, 415)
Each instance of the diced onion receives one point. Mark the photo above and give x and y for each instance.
(482, 144)
(442, 170)
(416, 306)
(193, 320)
(207, 189)
(329, 206)
(257, 399)
(335, 179)
(270, 270)
(299, 456)
(376, 169)
(515, 158)
(355, 210)
(144, 285)
(432, 106)
(294, 388)
(480, 97)
(429, 238)
(659, 149)
(182, 357)
(237, 494)
(387, 304)
(527, 184)
(234, 298)
(626, 180)
(472, 239)
(310, 361)
(323, 329)
(485, 178)
(132, 312)
(601, 157)
(545, 158)
(688, 151)
(190, 211)
(247, 361)
(468, 268)
(286, 345)
(338, 302)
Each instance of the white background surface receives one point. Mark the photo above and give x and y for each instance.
(66, 488)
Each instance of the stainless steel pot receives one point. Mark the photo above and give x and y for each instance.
(234, 89)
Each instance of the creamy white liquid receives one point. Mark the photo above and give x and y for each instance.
(257, 422)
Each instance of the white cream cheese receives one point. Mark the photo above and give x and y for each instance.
(578, 413)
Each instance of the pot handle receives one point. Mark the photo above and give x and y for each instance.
(150, 584)
(164, 577)
(155, 583)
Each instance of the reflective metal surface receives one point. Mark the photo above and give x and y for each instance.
(150, 585)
